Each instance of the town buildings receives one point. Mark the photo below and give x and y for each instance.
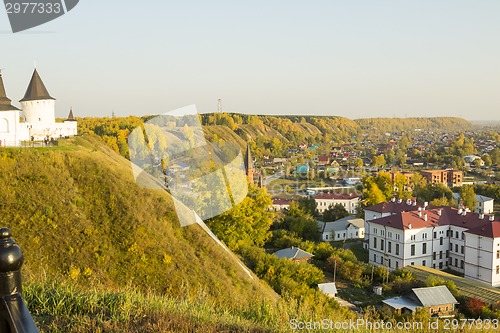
(400, 233)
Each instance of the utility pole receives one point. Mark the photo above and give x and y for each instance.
(334, 269)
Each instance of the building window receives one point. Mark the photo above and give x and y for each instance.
(434, 256)
(412, 250)
(389, 263)
(397, 236)
(456, 234)
(461, 264)
(397, 249)
(424, 248)
(456, 248)
(397, 264)
(381, 245)
(456, 262)
(441, 241)
(447, 254)
(389, 247)
(412, 263)
(440, 254)
(326, 237)
(424, 235)
(374, 257)
(498, 269)
(463, 235)
(374, 242)
(435, 234)
(498, 254)
(441, 265)
(412, 237)
(423, 262)
(462, 249)
(451, 246)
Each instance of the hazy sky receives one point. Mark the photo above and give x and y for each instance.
(352, 58)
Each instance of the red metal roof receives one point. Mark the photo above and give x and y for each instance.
(336, 196)
(490, 230)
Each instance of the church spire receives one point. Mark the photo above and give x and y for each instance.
(249, 164)
(5, 102)
(36, 89)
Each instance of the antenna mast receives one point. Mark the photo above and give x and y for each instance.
(219, 105)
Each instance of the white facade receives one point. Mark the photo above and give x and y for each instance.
(482, 259)
(346, 228)
(324, 201)
(11, 130)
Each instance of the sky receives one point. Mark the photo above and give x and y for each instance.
(350, 58)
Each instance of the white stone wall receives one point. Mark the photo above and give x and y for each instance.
(40, 113)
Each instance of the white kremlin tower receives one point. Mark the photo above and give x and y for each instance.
(38, 116)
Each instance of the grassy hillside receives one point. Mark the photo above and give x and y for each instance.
(80, 219)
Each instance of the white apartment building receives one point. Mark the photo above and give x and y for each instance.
(482, 254)
(325, 200)
(439, 238)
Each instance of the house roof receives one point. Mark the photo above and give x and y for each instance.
(341, 224)
(449, 216)
(293, 253)
(328, 288)
(5, 102)
(433, 296)
(281, 202)
(36, 89)
(401, 302)
(394, 207)
(335, 196)
(479, 197)
(490, 230)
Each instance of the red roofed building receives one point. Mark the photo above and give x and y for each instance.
(350, 201)
(402, 234)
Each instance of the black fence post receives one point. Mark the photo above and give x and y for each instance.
(14, 315)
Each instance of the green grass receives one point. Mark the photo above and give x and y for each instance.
(63, 308)
(359, 252)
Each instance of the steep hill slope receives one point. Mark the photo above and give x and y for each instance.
(79, 216)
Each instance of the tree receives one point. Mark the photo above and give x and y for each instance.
(474, 306)
(373, 195)
(468, 196)
(334, 213)
(401, 185)
(487, 160)
(378, 161)
(300, 222)
(308, 205)
(358, 163)
(247, 223)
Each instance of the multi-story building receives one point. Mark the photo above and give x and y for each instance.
(325, 200)
(482, 253)
(448, 177)
(440, 238)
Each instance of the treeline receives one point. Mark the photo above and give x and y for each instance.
(410, 124)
